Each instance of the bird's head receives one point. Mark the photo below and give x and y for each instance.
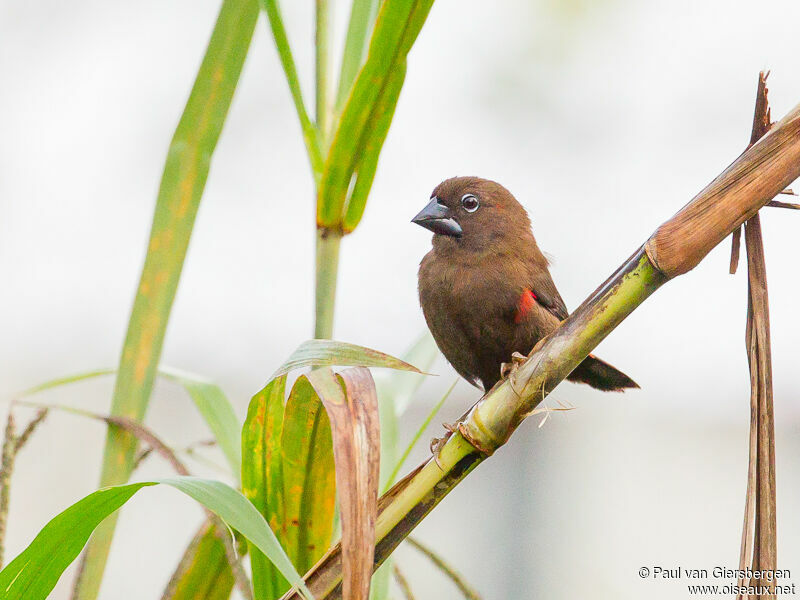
(473, 213)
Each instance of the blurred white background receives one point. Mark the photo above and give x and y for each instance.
(603, 118)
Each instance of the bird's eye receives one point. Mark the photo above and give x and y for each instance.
(470, 203)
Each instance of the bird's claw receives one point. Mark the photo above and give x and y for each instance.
(438, 443)
(509, 369)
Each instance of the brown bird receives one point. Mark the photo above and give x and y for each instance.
(485, 289)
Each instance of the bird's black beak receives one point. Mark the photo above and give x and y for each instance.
(436, 217)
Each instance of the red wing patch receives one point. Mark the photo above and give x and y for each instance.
(526, 302)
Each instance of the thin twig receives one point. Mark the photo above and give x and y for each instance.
(12, 444)
(402, 582)
(140, 458)
(9, 448)
(466, 589)
(28, 431)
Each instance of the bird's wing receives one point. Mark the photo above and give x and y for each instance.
(545, 293)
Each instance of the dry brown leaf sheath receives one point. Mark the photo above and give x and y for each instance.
(759, 539)
(352, 404)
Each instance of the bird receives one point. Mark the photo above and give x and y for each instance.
(485, 288)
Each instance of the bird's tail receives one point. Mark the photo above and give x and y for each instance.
(601, 375)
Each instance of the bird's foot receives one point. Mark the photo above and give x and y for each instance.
(438, 443)
(509, 369)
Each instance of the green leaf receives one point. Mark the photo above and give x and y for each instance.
(262, 479)
(381, 580)
(204, 572)
(374, 136)
(182, 184)
(211, 402)
(311, 133)
(364, 122)
(362, 16)
(34, 573)
(53, 383)
(309, 484)
(217, 411)
(325, 353)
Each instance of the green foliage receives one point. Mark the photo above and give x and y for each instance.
(182, 185)
(209, 399)
(262, 477)
(309, 486)
(285, 454)
(217, 411)
(326, 353)
(366, 116)
(34, 573)
(289, 477)
(204, 573)
(311, 133)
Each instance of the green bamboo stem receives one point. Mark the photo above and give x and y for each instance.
(180, 192)
(328, 242)
(752, 180)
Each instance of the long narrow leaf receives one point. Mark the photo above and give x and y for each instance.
(262, 479)
(323, 353)
(311, 133)
(362, 16)
(54, 383)
(309, 486)
(34, 573)
(208, 398)
(182, 185)
(217, 411)
(398, 24)
(204, 572)
(374, 136)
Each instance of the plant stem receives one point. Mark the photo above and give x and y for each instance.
(677, 246)
(328, 242)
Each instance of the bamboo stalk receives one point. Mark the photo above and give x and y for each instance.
(676, 247)
(328, 242)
